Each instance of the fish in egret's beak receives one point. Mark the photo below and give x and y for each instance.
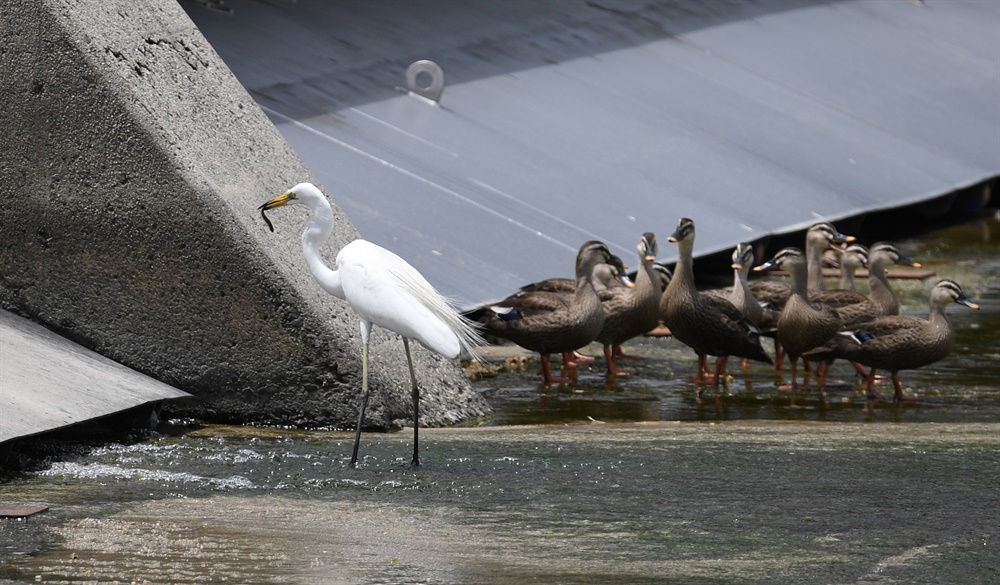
(278, 201)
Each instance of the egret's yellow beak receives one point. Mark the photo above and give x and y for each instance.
(278, 201)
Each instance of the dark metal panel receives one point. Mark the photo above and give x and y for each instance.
(566, 121)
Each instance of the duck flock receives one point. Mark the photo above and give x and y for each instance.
(805, 320)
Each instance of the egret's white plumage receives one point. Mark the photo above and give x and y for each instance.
(383, 289)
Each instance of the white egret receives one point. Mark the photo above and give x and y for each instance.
(384, 290)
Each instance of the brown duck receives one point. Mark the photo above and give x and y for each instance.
(854, 308)
(897, 343)
(629, 312)
(819, 238)
(761, 315)
(709, 325)
(609, 280)
(803, 325)
(552, 323)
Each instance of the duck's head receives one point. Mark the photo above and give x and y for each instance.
(948, 291)
(887, 253)
(855, 256)
(742, 256)
(647, 247)
(823, 235)
(684, 231)
(591, 253)
(783, 260)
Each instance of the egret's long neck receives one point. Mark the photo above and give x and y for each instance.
(318, 229)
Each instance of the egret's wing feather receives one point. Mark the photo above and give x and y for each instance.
(416, 285)
(395, 293)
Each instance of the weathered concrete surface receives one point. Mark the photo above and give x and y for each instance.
(131, 166)
(47, 380)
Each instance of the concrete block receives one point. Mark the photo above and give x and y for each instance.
(131, 166)
(48, 382)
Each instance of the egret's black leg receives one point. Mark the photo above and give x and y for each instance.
(364, 403)
(416, 406)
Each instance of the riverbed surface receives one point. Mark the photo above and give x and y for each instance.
(632, 480)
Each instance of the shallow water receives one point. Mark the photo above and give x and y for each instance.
(585, 503)
(635, 481)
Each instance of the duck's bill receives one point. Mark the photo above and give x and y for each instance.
(965, 301)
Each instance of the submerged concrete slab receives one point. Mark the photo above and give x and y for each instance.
(131, 166)
(48, 382)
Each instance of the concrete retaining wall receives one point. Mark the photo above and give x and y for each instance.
(131, 166)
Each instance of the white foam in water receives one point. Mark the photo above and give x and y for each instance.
(101, 470)
(240, 456)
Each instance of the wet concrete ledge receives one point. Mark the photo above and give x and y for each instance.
(132, 163)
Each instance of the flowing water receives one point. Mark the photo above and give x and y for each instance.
(632, 480)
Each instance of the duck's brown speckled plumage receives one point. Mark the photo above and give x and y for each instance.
(897, 343)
